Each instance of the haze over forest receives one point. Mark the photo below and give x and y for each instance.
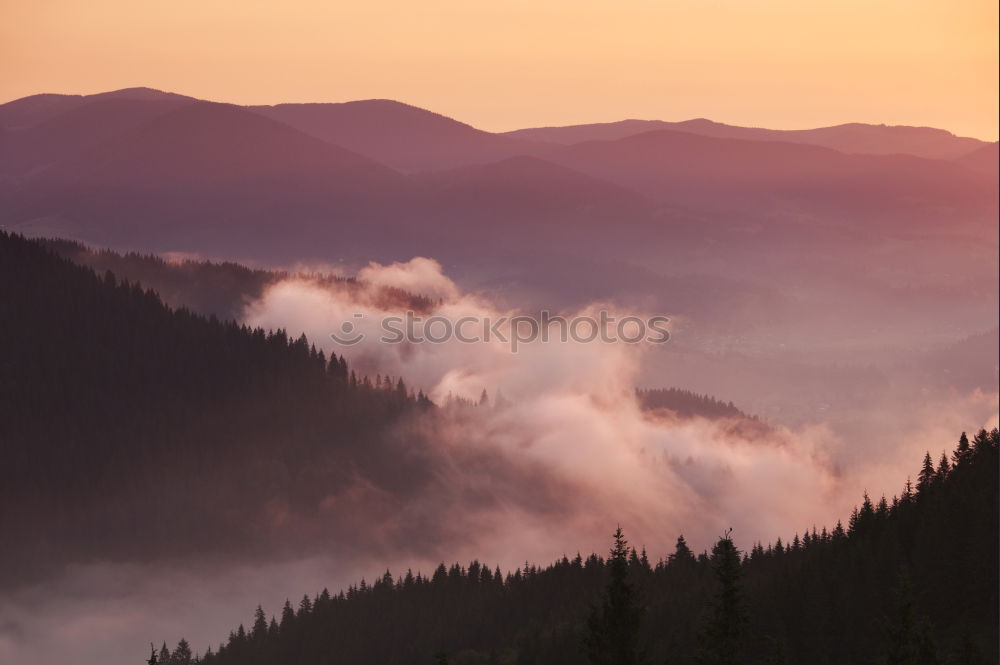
(183, 440)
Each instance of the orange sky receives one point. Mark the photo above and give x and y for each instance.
(514, 63)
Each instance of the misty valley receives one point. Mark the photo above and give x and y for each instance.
(210, 452)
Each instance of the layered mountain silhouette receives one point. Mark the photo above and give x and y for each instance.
(701, 172)
(524, 201)
(852, 137)
(984, 159)
(377, 179)
(30, 111)
(63, 135)
(404, 137)
(203, 176)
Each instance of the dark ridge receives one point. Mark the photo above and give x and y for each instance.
(120, 415)
(220, 288)
(918, 570)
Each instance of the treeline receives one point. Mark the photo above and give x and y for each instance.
(687, 404)
(220, 288)
(132, 430)
(205, 287)
(908, 580)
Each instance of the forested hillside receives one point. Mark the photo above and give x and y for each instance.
(125, 415)
(911, 579)
(122, 416)
(222, 288)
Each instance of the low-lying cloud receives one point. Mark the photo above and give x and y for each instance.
(558, 455)
(563, 424)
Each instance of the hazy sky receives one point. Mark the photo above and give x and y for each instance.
(502, 65)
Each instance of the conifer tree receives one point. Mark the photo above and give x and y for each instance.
(682, 554)
(722, 639)
(287, 616)
(305, 605)
(963, 452)
(943, 468)
(259, 630)
(613, 628)
(182, 654)
(926, 476)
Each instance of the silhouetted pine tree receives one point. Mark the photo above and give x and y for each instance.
(682, 553)
(182, 654)
(724, 636)
(926, 476)
(963, 452)
(613, 628)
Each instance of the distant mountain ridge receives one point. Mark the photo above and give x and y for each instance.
(405, 137)
(380, 180)
(410, 138)
(852, 137)
(34, 109)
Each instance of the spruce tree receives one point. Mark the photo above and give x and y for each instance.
(259, 630)
(287, 616)
(164, 651)
(182, 654)
(682, 553)
(963, 452)
(943, 468)
(926, 476)
(613, 629)
(723, 637)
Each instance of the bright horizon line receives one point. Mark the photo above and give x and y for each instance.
(539, 125)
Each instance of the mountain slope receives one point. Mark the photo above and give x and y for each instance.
(28, 111)
(705, 173)
(850, 138)
(189, 179)
(26, 149)
(521, 196)
(119, 415)
(209, 142)
(404, 137)
(984, 159)
(831, 596)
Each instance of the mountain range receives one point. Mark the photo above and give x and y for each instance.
(378, 179)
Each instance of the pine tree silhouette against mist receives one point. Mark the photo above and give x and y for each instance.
(182, 654)
(682, 554)
(826, 597)
(724, 635)
(926, 476)
(613, 628)
(963, 452)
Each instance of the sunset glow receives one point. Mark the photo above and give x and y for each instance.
(774, 63)
(514, 333)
